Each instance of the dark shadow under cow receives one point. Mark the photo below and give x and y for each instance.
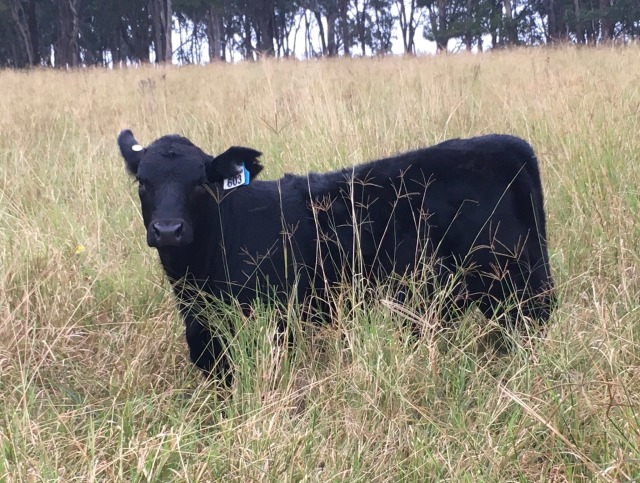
(471, 209)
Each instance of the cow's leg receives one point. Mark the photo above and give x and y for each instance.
(519, 296)
(208, 352)
(539, 299)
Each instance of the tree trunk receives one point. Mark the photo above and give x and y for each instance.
(116, 53)
(323, 41)
(510, 24)
(167, 21)
(32, 23)
(26, 27)
(605, 23)
(67, 52)
(360, 26)
(332, 48)
(343, 6)
(137, 43)
(468, 42)
(295, 32)
(246, 40)
(279, 34)
(558, 27)
(402, 18)
(439, 25)
(162, 23)
(469, 35)
(580, 33)
(308, 48)
(408, 24)
(214, 35)
(264, 23)
(552, 24)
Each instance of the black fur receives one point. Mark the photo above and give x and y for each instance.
(471, 206)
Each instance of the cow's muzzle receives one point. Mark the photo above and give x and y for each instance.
(168, 233)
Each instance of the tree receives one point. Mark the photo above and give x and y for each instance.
(69, 33)
(381, 23)
(23, 13)
(67, 52)
(409, 18)
(162, 26)
(343, 9)
(443, 21)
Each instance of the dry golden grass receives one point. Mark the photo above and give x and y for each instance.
(94, 378)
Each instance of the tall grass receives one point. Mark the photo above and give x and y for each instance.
(94, 379)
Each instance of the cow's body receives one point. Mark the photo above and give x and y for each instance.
(469, 209)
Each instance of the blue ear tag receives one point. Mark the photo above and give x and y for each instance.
(240, 179)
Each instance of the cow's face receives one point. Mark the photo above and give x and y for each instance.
(173, 175)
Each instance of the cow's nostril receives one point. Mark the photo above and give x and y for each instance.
(168, 233)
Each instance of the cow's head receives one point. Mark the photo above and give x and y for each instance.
(172, 175)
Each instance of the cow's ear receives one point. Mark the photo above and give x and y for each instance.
(229, 163)
(132, 152)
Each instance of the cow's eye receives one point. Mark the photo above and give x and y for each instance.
(142, 185)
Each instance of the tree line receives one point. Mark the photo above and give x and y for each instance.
(71, 33)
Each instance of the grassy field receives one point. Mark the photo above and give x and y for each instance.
(95, 382)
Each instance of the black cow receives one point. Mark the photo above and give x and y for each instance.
(471, 209)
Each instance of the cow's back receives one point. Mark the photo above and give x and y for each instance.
(466, 206)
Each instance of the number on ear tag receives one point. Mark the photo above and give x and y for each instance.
(242, 178)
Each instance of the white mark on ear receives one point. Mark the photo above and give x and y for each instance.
(136, 148)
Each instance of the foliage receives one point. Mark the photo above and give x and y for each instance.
(69, 33)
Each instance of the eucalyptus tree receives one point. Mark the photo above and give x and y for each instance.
(410, 15)
(24, 32)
